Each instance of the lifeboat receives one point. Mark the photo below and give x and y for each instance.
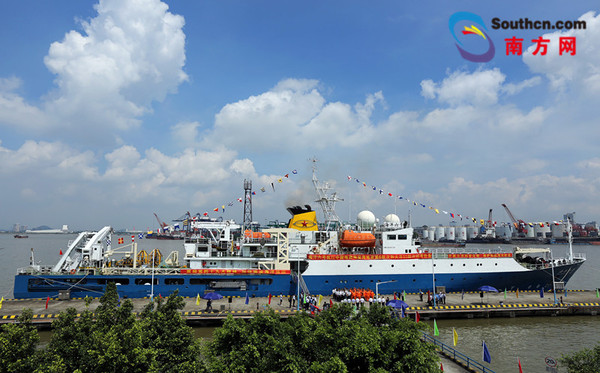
(250, 234)
(357, 239)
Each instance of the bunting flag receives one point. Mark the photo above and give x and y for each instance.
(132, 238)
(454, 337)
(121, 240)
(247, 298)
(436, 332)
(417, 316)
(520, 369)
(107, 241)
(140, 236)
(486, 353)
(198, 300)
(60, 252)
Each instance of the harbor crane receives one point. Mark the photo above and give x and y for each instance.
(162, 227)
(520, 225)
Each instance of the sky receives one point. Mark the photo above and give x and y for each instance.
(113, 110)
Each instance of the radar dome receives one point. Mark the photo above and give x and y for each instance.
(392, 218)
(365, 219)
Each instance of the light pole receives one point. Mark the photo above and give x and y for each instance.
(553, 282)
(377, 287)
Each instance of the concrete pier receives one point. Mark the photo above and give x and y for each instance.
(458, 305)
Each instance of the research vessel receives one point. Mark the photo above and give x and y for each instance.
(225, 257)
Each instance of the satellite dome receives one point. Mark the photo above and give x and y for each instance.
(392, 218)
(365, 219)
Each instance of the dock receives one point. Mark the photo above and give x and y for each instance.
(457, 306)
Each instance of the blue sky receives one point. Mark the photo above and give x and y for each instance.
(113, 110)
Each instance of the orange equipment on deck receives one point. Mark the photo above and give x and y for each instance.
(357, 239)
(250, 234)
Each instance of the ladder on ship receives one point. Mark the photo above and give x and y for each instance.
(303, 286)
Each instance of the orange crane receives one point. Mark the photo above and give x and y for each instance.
(161, 225)
(520, 225)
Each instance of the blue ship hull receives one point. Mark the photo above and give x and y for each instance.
(139, 286)
(411, 283)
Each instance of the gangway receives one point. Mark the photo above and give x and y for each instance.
(457, 356)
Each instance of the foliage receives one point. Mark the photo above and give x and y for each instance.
(338, 340)
(584, 361)
(17, 345)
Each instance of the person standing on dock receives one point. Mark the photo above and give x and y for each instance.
(280, 298)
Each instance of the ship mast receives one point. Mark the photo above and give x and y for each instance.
(327, 201)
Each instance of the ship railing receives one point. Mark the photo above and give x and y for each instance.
(471, 364)
(140, 271)
(45, 269)
(466, 250)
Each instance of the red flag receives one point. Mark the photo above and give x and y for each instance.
(121, 240)
(330, 302)
(395, 296)
(417, 316)
(47, 300)
(60, 252)
(217, 209)
(441, 367)
(269, 298)
(520, 369)
(132, 238)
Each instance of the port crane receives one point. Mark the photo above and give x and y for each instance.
(162, 226)
(520, 225)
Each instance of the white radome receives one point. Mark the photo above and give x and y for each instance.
(365, 219)
(392, 218)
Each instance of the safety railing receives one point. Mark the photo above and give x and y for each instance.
(457, 356)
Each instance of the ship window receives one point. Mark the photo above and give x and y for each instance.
(348, 265)
(370, 265)
(199, 281)
(464, 264)
(174, 281)
(402, 236)
(414, 265)
(392, 265)
(122, 281)
(326, 281)
(496, 264)
(391, 236)
(414, 280)
(451, 264)
(145, 281)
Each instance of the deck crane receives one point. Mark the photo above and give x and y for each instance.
(161, 225)
(520, 225)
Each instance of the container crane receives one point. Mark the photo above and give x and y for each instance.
(520, 225)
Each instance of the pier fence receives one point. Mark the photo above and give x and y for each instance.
(457, 356)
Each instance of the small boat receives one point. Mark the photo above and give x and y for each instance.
(21, 236)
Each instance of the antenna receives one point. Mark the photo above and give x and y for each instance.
(247, 205)
(326, 201)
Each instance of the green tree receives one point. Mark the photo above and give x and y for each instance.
(338, 340)
(165, 332)
(584, 361)
(18, 344)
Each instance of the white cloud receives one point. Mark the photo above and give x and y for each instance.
(462, 88)
(131, 54)
(185, 133)
(571, 71)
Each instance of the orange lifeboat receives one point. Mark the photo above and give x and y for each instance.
(357, 239)
(250, 234)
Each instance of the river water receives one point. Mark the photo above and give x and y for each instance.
(530, 339)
